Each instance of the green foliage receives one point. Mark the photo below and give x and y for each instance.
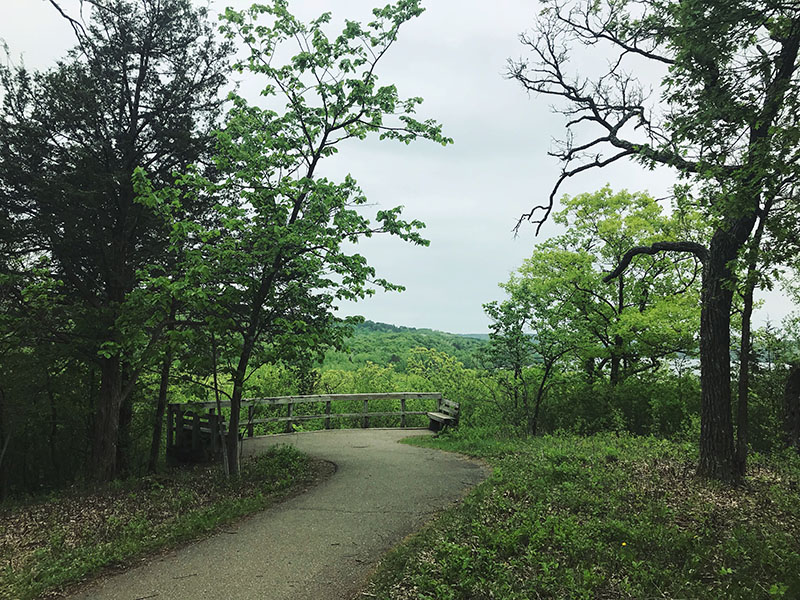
(775, 352)
(587, 356)
(428, 371)
(384, 344)
(604, 516)
(263, 271)
(617, 330)
(661, 404)
(527, 328)
(724, 118)
(141, 88)
(140, 517)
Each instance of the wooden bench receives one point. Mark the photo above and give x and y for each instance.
(446, 414)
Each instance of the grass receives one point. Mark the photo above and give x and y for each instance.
(603, 517)
(56, 542)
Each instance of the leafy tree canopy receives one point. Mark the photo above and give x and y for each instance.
(264, 269)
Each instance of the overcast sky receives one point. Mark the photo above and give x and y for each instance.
(469, 194)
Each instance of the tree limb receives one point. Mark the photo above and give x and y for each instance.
(77, 26)
(700, 251)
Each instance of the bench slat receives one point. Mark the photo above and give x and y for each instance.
(441, 416)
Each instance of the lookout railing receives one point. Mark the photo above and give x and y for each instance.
(195, 430)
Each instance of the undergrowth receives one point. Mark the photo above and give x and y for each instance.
(52, 543)
(603, 517)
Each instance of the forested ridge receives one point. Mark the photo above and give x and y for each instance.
(164, 239)
(384, 344)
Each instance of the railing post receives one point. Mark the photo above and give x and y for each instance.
(170, 426)
(250, 415)
(179, 427)
(402, 412)
(327, 413)
(196, 430)
(365, 422)
(212, 428)
(289, 413)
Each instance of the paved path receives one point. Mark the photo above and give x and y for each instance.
(319, 545)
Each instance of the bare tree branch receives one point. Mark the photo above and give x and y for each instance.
(77, 26)
(566, 174)
(590, 34)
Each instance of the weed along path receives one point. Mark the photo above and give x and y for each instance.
(321, 544)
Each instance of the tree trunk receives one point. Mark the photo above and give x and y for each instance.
(5, 439)
(232, 437)
(746, 348)
(745, 351)
(106, 421)
(526, 407)
(791, 408)
(717, 453)
(616, 349)
(52, 436)
(158, 420)
(124, 435)
(589, 368)
(616, 361)
(534, 424)
(232, 441)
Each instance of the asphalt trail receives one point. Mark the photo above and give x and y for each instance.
(319, 545)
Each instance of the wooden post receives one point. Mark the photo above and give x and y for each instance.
(327, 412)
(289, 413)
(179, 428)
(170, 426)
(213, 421)
(402, 412)
(196, 430)
(250, 415)
(365, 423)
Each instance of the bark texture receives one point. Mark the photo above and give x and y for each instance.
(106, 421)
(717, 450)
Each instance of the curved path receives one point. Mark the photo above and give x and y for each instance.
(321, 544)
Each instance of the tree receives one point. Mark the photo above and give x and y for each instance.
(526, 331)
(558, 310)
(726, 122)
(264, 270)
(648, 316)
(509, 355)
(141, 89)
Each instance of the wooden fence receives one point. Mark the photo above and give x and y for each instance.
(195, 430)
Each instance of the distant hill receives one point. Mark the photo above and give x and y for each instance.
(476, 336)
(385, 344)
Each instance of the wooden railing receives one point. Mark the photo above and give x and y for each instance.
(197, 428)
